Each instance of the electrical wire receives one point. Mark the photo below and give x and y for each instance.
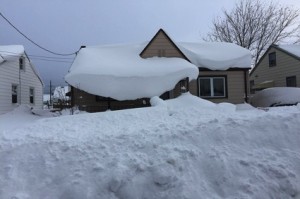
(60, 54)
(40, 57)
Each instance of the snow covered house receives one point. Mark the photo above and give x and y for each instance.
(19, 81)
(124, 76)
(278, 67)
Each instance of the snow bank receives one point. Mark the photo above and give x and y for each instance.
(197, 152)
(119, 72)
(10, 52)
(276, 96)
(294, 49)
(216, 55)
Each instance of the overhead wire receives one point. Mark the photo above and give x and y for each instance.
(39, 57)
(41, 47)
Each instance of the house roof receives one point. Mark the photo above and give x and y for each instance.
(12, 52)
(120, 72)
(293, 50)
(216, 55)
(117, 71)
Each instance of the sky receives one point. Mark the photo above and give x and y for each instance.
(63, 26)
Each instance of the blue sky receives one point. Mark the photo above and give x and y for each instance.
(64, 25)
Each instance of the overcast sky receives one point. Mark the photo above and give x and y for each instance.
(63, 26)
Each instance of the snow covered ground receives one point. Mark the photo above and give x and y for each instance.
(182, 148)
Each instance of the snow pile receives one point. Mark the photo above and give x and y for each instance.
(216, 55)
(21, 115)
(119, 72)
(10, 52)
(276, 96)
(202, 150)
(294, 49)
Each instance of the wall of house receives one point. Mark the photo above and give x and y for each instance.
(10, 74)
(286, 66)
(235, 86)
(87, 102)
(161, 46)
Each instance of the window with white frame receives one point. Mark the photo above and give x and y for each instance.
(212, 87)
(22, 63)
(31, 95)
(14, 94)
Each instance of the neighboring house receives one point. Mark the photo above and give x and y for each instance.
(60, 94)
(19, 81)
(103, 77)
(278, 67)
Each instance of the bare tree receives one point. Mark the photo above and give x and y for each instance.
(255, 26)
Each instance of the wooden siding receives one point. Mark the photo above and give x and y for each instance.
(87, 102)
(286, 66)
(235, 86)
(161, 43)
(10, 74)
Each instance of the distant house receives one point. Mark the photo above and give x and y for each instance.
(278, 67)
(123, 76)
(19, 81)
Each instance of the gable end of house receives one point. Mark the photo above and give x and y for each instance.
(161, 45)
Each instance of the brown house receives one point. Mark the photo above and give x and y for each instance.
(278, 67)
(223, 74)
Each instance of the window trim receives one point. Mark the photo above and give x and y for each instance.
(16, 93)
(211, 77)
(272, 63)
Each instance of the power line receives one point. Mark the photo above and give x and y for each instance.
(61, 54)
(40, 57)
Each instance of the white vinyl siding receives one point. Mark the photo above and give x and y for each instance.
(10, 74)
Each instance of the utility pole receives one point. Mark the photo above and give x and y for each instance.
(50, 93)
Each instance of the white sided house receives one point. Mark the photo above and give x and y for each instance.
(19, 81)
(126, 76)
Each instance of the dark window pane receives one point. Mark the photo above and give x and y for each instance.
(272, 59)
(205, 88)
(14, 99)
(31, 99)
(291, 81)
(219, 87)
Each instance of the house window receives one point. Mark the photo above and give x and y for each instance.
(272, 59)
(212, 87)
(31, 95)
(252, 90)
(22, 63)
(14, 94)
(291, 81)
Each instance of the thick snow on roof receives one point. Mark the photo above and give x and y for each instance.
(10, 52)
(294, 49)
(119, 72)
(216, 55)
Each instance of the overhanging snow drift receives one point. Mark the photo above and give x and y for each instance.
(120, 73)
